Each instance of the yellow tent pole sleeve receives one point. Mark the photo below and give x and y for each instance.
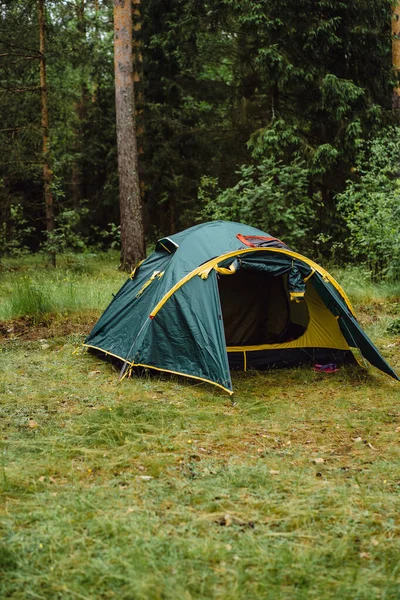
(202, 269)
(132, 275)
(204, 274)
(223, 271)
(158, 274)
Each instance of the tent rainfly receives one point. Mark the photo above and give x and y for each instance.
(224, 295)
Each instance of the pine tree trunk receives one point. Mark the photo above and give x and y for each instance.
(396, 55)
(80, 110)
(138, 90)
(47, 172)
(132, 232)
(95, 83)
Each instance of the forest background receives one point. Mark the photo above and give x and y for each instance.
(281, 114)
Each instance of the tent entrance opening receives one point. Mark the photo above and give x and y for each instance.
(256, 309)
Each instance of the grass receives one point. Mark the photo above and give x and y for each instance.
(30, 288)
(158, 489)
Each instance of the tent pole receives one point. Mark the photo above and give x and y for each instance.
(126, 363)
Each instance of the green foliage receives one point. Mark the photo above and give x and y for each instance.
(371, 205)
(109, 237)
(273, 192)
(14, 233)
(394, 327)
(338, 95)
(320, 93)
(81, 116)
(288, 89)
(281, 140)
(64, 236)
(271, 195)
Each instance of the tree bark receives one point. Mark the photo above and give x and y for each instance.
(396, 55)
(80, 110)
(47, 172)
(132, 232)
(95, 84)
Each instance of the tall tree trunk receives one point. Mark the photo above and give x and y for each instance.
(396, 55)
(137, 78)
(132, 232)
(78, 148)
(95, 83)
(47, 172)
(80, 110)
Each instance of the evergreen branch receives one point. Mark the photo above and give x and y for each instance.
(21, 90)
(18, 46)
(22, 56)
(14, 129)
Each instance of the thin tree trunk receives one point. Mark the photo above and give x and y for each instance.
(95, 84)
(132, 232)
(137, 78)
(80, 109)
(396, 55)
(47, 172)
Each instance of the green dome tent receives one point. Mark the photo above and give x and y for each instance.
(225, 295)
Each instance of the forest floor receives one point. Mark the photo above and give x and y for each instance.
(155, 488)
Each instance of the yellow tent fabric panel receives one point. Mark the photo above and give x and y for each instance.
(323, 330)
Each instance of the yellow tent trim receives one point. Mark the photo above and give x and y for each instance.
(214, 261)
(226, 271)
(184, 375)
(132, 275)
(309, 276)
(296, 296)
(159, 369)
(165, 247)
(158, 274)
(106, 352)
(204, 274)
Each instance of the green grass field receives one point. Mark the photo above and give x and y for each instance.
(158, 489)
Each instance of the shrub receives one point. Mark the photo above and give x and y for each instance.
(371, 205)
(271, 195)
(394, 327)
(13, 235)
(64, 236)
